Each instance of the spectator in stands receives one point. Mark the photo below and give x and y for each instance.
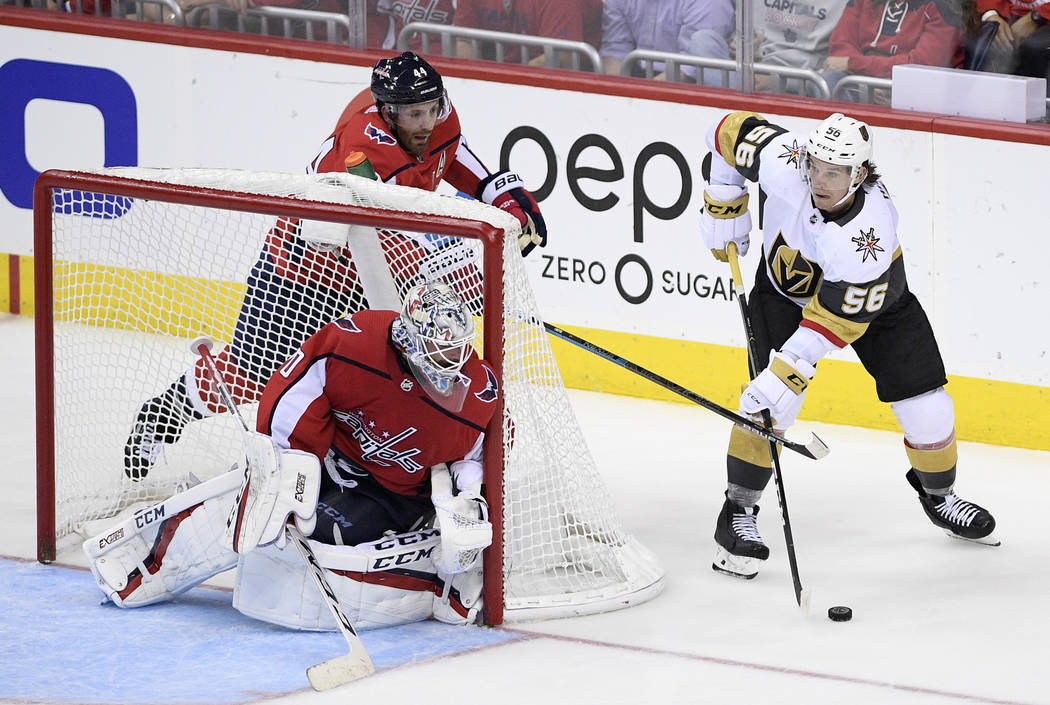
(571, 20)
(660, 25)
(227, 18)
(786, 34)
(873, 36)
(402, 12)
(379, 25)
(1022, 43)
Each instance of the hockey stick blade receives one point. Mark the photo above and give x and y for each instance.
(344, 669)
(339, 671)
(814, 449)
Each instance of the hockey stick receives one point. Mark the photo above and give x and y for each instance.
(815, 449)
(342, 669)
(802, 595)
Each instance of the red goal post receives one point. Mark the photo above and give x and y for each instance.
(132, 263)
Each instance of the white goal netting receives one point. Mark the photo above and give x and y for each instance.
(142, 261)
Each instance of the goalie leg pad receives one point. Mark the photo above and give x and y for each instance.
(167, 548)
(378, 584)
(461, 603)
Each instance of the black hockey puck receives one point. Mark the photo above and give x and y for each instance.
(840, 614)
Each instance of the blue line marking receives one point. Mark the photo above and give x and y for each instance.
(197, 649)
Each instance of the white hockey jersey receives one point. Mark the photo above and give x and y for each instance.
(845, 271)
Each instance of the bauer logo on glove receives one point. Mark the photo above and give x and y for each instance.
(506, 190)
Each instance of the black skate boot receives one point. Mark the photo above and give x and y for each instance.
(957, 517)
(159, 420)
(740, 547)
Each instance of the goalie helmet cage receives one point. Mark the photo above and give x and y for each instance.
(133, 263)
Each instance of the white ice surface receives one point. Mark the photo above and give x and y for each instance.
(935, 620)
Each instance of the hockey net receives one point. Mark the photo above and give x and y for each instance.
(134, 263)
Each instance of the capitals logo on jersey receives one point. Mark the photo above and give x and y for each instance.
(867, 243)
(420, 11)
(378, 446)
(491, 391)
(374, 133)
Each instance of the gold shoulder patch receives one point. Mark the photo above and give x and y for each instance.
(728, 131)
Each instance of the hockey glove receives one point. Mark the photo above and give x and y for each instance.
(506, 190)
(778, 388)
(276, 484)
(725, 219)
(462, 520)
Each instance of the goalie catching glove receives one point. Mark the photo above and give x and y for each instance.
(506, 190)
(462, 518)
(276, 484)
(725, 219)
(779, 388)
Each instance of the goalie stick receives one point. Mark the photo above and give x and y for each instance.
(342, 669)
(802, 596)
(815, 448)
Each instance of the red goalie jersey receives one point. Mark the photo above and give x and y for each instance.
(348, 388)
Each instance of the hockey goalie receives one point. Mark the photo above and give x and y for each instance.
(368, 438)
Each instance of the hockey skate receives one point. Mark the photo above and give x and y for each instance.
(956, 517)
(159, 421)
(740, 546)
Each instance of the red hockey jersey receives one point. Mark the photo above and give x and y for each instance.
(348, 388)
(876, 35)
(361, 129)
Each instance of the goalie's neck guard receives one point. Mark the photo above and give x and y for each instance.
(447, 387)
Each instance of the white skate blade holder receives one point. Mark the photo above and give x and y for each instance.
(743, 567)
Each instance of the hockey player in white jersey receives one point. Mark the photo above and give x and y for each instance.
(832, 275)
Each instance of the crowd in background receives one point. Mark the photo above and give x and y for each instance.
(833, 38)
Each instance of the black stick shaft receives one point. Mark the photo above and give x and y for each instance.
(678, 389)
(774, 456)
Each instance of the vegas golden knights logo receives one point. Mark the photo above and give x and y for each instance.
(792, 273)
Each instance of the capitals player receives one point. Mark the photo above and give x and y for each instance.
(354, 431)
(410, 132)
(832, 275)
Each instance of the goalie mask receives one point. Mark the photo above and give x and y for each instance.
(840, 141)
(435, 331)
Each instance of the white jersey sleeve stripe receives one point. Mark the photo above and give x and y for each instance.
(470, 161)
(296, 400)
